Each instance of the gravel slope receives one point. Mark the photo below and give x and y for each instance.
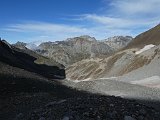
(119, 88)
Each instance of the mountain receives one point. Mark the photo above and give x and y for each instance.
(84, 47)
(123, 64)
(21, 45)
(118, 42)
(151, 36)
(74, 49)
(31, 46)
(28, 89)
(27, 60)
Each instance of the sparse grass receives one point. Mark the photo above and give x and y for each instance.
(91, 67)
(98, 71)
(156, 52)
(87, 76)
(111, 61)
(138, 62)
(80, 78)
(73, 77)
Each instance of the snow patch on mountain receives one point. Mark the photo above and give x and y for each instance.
(147, 47)
(31, 46)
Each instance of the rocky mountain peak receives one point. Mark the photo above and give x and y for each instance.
(31, 46)
(82, 38)
(20, 45)
(119, 39)
(4, 45)
(88, 37)
(118, 42)
(77, 48)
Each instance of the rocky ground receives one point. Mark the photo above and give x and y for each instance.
(145, 95)
(94, 108)
(64, 103)
(45, 106)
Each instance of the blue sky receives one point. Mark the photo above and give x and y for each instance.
(51, 20)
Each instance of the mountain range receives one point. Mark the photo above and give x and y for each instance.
(75, 49)
(141, 55)
(116, 78)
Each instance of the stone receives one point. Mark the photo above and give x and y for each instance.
(61, 101)
(111, 105)
(98, 117)
(41, 118)
(20, 115)
(143, 111)
(129, 118)
(111, 114)
(51, 104)
(140, 118)
(65, 118)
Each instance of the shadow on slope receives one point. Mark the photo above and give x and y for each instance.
(27, 60)
(24, 95)
(10, 85)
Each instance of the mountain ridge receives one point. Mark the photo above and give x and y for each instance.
(29, 60)
(122, 62)
(75, 49)
(151, 36)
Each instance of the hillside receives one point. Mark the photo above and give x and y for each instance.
(28, 60)
(151, 36)
(27, 92)
(121, 62)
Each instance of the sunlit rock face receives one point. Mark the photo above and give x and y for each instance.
(75, 49)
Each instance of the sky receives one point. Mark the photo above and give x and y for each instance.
(51, 20)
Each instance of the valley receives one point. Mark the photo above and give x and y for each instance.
(82, 78)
